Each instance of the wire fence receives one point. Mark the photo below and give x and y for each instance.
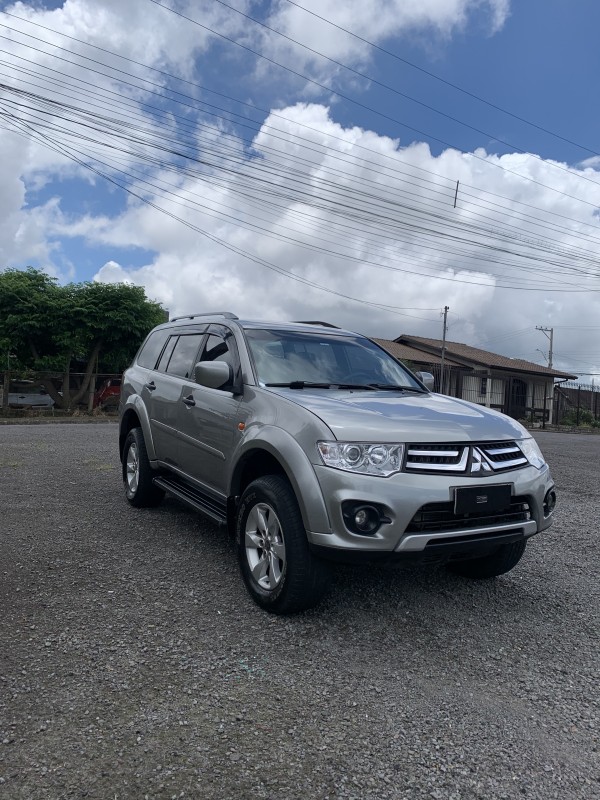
(577, 404)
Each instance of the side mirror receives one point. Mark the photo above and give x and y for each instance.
(213, 374)
(426, 379)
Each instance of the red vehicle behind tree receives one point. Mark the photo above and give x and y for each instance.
(107, 396)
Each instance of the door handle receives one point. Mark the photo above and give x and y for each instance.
(150, 386)
(189, 401)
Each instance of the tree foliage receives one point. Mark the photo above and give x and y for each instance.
(90, 326)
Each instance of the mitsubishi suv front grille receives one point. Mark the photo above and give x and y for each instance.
(469, 459)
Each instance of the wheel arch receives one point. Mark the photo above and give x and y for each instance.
(265, 457)
(136, 416)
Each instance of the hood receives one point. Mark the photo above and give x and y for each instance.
(397, 417)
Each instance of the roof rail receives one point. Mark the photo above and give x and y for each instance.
(226, 314)
(314, 322)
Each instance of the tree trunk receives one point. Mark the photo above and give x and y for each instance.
(66, 388)
(5, 390)
(89, 371)
(34, 351)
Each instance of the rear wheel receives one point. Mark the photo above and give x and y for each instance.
(280, 572)
(137, 472)
(500, 561)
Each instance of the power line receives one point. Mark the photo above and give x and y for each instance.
(378, 216)
(446, 82)
(186, 123)
(368, 262)
(365, 107)
(388, 188)
(218, 240)
(392, 89)
(253, 107)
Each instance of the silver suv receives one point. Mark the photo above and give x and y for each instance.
(311, 443)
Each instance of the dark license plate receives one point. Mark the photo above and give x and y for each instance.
(482, 498)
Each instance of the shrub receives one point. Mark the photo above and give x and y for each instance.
(585, 418)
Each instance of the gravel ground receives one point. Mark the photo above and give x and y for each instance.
(133, 664)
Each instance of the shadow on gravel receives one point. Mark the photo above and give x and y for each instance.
(372, 600)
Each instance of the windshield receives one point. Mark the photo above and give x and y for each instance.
(283, 357)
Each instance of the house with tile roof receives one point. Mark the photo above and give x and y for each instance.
(520, 388)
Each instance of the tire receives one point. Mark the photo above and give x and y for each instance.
(280, 573)
(140, 491)
(500, 561)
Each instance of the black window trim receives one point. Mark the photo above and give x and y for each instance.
(235, 386)
(202, 335)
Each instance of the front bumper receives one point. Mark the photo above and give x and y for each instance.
(403, 495)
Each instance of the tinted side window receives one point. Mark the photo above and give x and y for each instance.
(222, 347)
(167, 352)
(184, 355)
(152, 348)
(216, 349)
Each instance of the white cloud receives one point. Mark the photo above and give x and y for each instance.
(372, 21)
(191, 272)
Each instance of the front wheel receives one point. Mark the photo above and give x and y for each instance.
(137, 472)
(280, 572)
(500, 561)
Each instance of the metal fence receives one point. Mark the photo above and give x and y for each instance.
(576, 404)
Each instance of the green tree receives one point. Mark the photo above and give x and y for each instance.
(49, 327)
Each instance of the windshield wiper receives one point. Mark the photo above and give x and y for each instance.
(392, 387)
(368, 386)
(300, 385)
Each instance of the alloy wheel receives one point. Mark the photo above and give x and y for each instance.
(265, 547)
(132, 468)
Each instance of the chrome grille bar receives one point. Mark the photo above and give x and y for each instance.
(498, 451)
(475, 458)
(426, 457)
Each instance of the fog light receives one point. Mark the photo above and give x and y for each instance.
(363, 518)
(549, 502)
(366, 519)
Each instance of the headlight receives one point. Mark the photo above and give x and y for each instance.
(532, 452)
(363, 457)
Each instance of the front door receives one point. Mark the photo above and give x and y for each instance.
(164, 394)
(209, 417)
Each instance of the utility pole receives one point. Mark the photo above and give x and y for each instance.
(446, 309)
(549, 334)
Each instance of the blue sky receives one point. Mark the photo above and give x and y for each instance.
(370, 236)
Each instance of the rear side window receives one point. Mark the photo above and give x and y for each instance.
(184, 355)
(152, 349)
(167, 352)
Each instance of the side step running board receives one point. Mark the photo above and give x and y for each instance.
(206, 505)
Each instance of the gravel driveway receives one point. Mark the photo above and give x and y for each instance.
(134, 665)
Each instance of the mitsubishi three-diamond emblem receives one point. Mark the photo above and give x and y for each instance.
(480, 462)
